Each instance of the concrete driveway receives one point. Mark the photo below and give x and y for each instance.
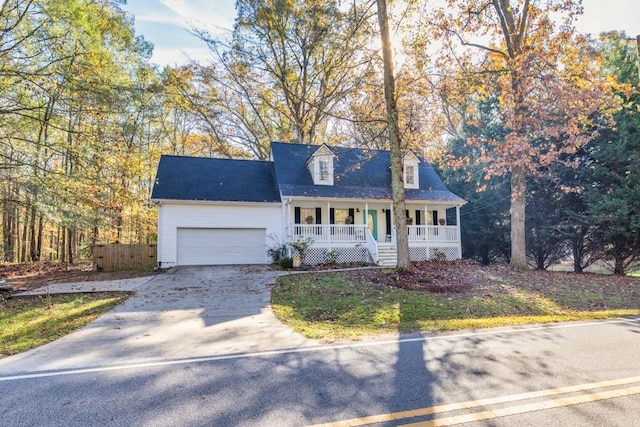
(187, 313)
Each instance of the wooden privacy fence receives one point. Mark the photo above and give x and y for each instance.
(124, 257)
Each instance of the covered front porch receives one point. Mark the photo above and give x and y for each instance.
(348, 231)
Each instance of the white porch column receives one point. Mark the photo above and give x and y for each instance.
(459, 231)
(288, 234)
(458, 223)
(366, 214)
(393, 226)
(426, 222)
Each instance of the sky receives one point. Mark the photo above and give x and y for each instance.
(167, 23)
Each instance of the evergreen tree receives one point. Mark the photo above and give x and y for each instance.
(612, 174)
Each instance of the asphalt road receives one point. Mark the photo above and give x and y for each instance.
(408, 379)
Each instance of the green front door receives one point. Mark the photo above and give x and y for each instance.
(372, 223)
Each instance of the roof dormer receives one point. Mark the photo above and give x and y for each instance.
(320, 165)
(410, 164)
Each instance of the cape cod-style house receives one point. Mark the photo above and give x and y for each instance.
(222, 211)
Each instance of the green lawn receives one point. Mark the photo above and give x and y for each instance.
(338, 306)
(29, 322)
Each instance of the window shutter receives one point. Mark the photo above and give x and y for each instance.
(418, 218)
(388, 218)
(352, 214)
(296, 215)
(332, 219)
(318, 215)
(406, 213)
(434, 215)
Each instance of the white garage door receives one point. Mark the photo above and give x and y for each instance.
(216, 246)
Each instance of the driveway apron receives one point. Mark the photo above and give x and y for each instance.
(189, 312)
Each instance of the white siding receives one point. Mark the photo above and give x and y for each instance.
(174, 215)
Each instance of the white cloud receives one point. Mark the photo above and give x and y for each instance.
(168, 24)
(178, 56)
(216, 16)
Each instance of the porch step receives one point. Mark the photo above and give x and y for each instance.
(387, 256)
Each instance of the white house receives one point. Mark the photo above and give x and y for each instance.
(222, 211)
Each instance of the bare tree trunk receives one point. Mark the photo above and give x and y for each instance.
(618, 267)
(94, 239)
(23, 240)
(62, 244)
(39, 241)
(33, 251)
(7, 225)
(576, 248)
(119, 223)
(518, 248)
(397, 179)
(70, 241)
(51, 248)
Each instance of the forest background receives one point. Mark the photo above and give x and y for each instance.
(85, 116)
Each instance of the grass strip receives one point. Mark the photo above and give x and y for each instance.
(28, 322)
(332, 307)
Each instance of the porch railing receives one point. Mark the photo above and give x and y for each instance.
(330, 233)
(371, 245)
(321, 233)
(433, 233)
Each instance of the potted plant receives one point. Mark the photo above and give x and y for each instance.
(409, 221)
(309, 219)
(442, 221)
(348, 220)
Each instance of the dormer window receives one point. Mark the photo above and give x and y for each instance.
(320, 165)
(411, 176)
(324, 170)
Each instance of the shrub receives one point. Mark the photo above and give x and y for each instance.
(275, 254)
(286, 262)
(331, 257)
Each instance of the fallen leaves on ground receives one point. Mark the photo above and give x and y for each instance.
(469, 278)
(28, 276)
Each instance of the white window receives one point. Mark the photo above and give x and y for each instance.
(341, 216)
(324, 170)
(307, 215)
(409, 175)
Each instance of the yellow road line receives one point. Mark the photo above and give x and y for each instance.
(523, 409)
(421, 412)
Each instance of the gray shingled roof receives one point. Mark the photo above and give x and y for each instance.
(201, 178)
(358, 174)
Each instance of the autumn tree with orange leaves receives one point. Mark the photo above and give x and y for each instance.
(549, 91)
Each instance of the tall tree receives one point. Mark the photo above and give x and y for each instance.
(287, 68)
(612, 165)
(548, 92)
(67, 68)
(397, 178)
(485, 216)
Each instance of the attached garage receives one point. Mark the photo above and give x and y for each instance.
(219, 246)
(216, 211)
